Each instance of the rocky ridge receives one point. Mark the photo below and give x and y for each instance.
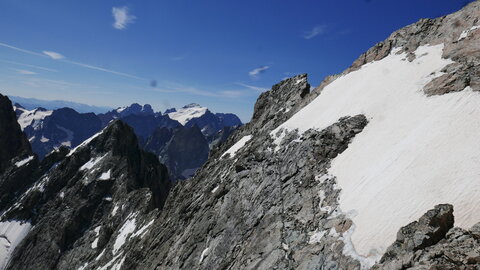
(266, 205)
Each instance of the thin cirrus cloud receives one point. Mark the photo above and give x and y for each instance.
(28, 65)
(24, 71)
(59, 57)
(252, 87)
(122, 18)
(255, 73)
(315, 31)
(53, 55)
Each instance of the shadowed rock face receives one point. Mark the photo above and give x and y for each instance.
(104, 184)
(13, 142)
(185, 152)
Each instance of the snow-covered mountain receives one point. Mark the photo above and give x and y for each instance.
(49, 129)
(375, 168)
(195, 115)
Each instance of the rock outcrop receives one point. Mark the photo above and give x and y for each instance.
(13, 143)
(433, 243)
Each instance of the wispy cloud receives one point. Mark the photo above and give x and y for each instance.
(28, 65)
(256, 72)
(20, 49)
(53, 55)
(24, 71)
(252, 87)
(121, 17)
(173, 87)
(317, 30)
(104, 70)
(60, 57)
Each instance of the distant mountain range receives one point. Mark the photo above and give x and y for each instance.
(33, 103)
(180, 138)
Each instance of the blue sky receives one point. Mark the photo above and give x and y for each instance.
(221, 54)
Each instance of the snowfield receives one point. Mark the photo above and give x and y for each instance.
(11, 234)
(187, 113)
(415, 152)
(33, 117)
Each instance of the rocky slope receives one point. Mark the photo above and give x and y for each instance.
(87, 205)
(276, 194)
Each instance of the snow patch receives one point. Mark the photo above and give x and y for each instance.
(415, 152)
(91, 163)
(232, 150)
(23, 161)
(203, 255)
(105, 175)
(125, 231)
(142, 231)
(114, 210)
(465, 33)
(11, 234)
(87, 141)
(83, 266)
(110, 265)
(97, 233)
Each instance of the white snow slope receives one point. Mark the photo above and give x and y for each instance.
(234, 148)
(11, 234)
(33, 118)
(415, 152)
(187, 113)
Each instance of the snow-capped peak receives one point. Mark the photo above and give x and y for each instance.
(33, 117)
(187, 113)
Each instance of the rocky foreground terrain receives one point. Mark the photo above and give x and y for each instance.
(267, 198)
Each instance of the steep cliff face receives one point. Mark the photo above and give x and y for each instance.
(13, 142)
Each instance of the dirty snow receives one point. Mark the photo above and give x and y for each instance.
(11, 234)
(23, 161)
(232, 150)
(187, 113)
(415, 152)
